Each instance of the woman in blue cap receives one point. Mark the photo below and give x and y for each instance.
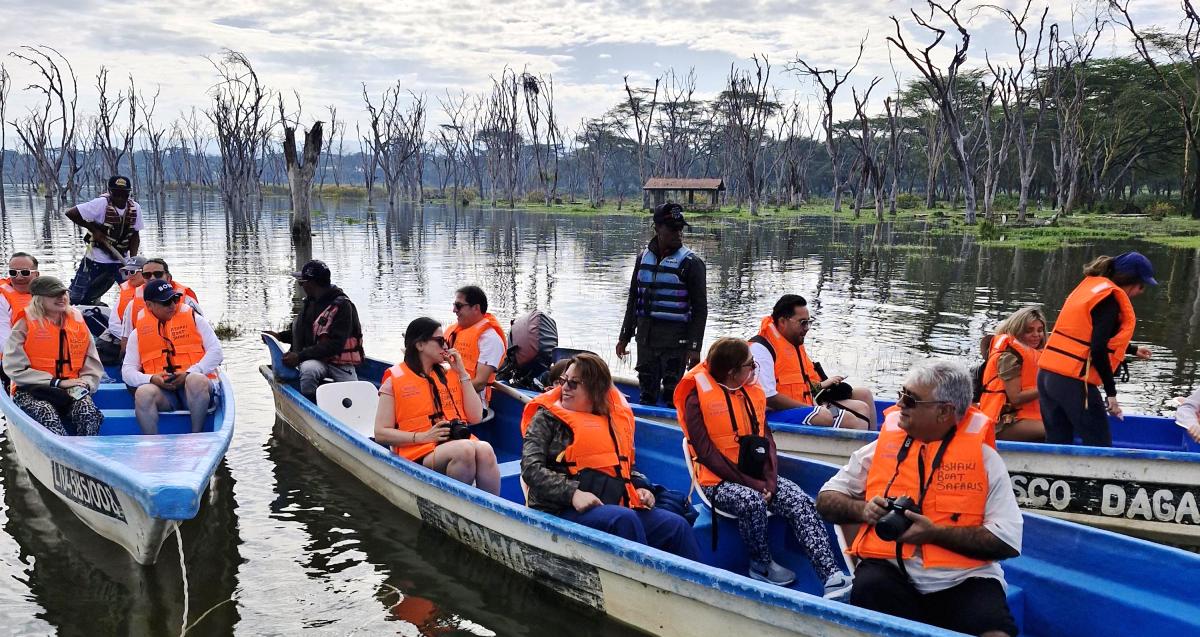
(1091, 339)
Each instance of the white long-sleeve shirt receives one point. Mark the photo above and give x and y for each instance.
(131, 367)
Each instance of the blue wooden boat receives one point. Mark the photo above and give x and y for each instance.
(1147, 484)
(132, 489)
(1071, 579)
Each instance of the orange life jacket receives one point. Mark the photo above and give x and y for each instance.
(125, 296)
(17, 301)
(58, 351)
(795, 373)
(749, 415)
(1068, 350)
(170, 347)
(139, 301)
(593, 437)
(957, 494)
(415, 408)
(466, 341)
(994, 397)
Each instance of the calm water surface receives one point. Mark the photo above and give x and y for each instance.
(286, 541)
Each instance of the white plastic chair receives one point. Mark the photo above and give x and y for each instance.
(351, 402)
(691, 467)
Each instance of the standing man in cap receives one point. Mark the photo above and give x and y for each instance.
(326, 337)
(113, 221)
(171, 359)
(667, 308)
(14, 296)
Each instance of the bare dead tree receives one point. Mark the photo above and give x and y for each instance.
(866, 142)
(154, 137)
(503, 126)
(746, 108)
(396, 133)
(1179, 76)
(239, 114)
(113, 138)
(453, 138)
(942, 87)
(789, 141)
(1067, 91)
(197, 140)
(301, 166)
(1024, 100)
(894, 110)
(328, 163)
(996, 136)
(678, 128)
(830, 81)
(368, 161)
(5, 89)
(641, 115)
(597, 137)
(48, 131)
(545, 135)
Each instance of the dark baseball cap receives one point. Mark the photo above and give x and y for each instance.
(118, 182)
(46, 286)
(314, 270)
(1137, 264)
(161, 292)
(670, 214)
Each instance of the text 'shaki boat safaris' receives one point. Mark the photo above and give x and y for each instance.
(131, 488)
(1070, 579)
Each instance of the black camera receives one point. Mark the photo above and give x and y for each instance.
(894, 523)
(459, 430)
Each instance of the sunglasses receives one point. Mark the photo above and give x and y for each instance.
(458, 306)
(805, 322)
(570, 384)
(441, 341)
(154, 275)
(129, 271)
(909, 401)
(20, 272)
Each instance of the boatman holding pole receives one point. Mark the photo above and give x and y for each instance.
(113, 221)
(667, 308)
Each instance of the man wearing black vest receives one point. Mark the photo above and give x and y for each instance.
(667, 308)
(113, 221)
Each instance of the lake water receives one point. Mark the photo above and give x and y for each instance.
(286, 541)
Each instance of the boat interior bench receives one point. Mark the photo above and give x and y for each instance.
(116, 401)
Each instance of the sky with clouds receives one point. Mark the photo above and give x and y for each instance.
(327, 51)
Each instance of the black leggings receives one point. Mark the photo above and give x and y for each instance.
(1066, 413)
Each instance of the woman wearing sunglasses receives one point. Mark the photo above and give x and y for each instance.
(723, 411)
(52, 361)
(577, 461)
(425, 404)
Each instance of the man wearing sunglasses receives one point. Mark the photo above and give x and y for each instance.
(14, 297)
(792, 381)
(326, 335)
(943, 569)
(109, 343)
(114, 222)
(667, 308)
(171, 359)
(479, 337)
(152, 270)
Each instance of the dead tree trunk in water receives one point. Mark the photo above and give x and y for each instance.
(5, 88)
(300, 169)
(48, 132)
(239, 114)
(829, 88)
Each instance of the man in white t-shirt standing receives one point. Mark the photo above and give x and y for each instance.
(478, 337)
(113, 221)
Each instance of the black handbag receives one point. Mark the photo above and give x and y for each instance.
(610, 490)
(752, 455)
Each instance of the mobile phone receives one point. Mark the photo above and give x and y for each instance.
(77, 391)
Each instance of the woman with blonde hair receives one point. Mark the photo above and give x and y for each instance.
(1010, 395)
(53, 364)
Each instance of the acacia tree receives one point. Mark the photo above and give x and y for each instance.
(301, 167)
(641, 115)
(48, 131)
(239, 116)
(1067, 79)
(867, 145)
(829, 81)
(943, 89)
(745, 108)
(678, 124)
(1179, 76)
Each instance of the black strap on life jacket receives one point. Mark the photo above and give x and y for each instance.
(922, 484)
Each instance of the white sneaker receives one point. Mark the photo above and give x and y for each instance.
(837, 587)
